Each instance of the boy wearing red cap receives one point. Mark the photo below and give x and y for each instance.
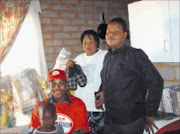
(71, 111)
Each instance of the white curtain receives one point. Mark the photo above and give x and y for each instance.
(28, 50)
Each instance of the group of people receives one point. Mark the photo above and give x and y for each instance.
(122, 93)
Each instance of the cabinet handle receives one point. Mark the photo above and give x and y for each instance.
(165, 46)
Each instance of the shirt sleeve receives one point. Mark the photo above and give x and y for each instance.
(84, 118)
(34, 118)
(153, 82)
(101, 86)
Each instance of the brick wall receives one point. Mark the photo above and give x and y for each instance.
(63, 21)
(170, 73)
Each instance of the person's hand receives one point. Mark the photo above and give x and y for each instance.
(70, 63)
(100, 101)
(149, 124)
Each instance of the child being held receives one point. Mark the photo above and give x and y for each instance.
(47, 118)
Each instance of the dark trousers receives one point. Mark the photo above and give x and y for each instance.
(136, 127)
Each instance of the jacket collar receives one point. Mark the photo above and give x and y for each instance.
(121, 49)
(67, 98)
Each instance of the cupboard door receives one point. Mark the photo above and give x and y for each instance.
(174, 27)
(150, 29)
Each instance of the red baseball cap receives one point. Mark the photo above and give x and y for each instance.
(56, 74)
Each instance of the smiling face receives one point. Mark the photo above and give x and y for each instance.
(115, 36)
(89, 45)
(58, 89)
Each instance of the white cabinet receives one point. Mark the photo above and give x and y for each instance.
(154, 27)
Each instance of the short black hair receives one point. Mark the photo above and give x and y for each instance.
(47, 107)
(120, 21)
(90, 32)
